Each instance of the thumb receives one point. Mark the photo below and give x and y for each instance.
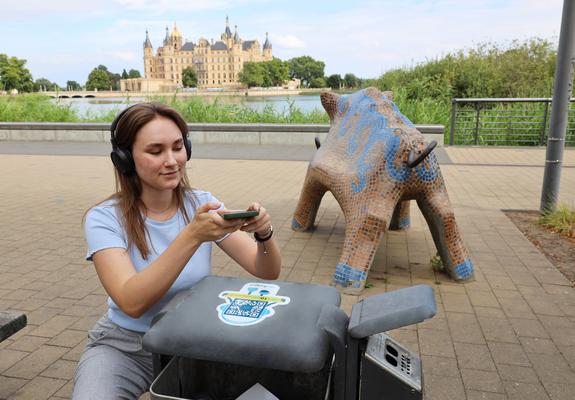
(207, 207)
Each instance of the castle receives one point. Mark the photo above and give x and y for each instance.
(217, 64)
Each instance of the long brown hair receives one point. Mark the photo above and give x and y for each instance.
(128, 186)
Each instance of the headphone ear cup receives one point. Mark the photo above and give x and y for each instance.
(123, 161)
(188, 146)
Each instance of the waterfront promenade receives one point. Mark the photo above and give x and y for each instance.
(510, 334)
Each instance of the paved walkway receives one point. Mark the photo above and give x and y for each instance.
(510, 334)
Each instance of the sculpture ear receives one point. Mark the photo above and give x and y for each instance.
(388, 94)
(329, 103)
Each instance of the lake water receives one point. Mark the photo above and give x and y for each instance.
(96, 106)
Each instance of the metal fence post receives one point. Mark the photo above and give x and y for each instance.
(453, 119)
(476, 134)
(544, 127)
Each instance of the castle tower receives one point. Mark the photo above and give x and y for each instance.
(267, 53)
(176, 38)
(148, 57)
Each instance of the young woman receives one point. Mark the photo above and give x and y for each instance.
(152, 239)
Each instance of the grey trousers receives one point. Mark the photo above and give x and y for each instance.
(113, 364)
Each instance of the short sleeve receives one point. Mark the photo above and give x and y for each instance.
(103, 230)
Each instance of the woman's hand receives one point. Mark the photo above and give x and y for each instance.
(209, 226)
(260, 224)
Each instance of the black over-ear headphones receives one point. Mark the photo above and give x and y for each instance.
(122, 158)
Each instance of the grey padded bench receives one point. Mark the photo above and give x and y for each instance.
(225, 334)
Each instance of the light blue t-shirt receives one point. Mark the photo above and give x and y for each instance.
(103, 231)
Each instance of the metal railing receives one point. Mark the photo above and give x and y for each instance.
(505, 122)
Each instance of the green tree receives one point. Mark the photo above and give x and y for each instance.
(14, 74)
(43, 84)
(334, 81)
(124, 74)
(98, 79)
(189, 77)
(277, 71)
(318, 82)
(73, 85)
(252, 74)
(351, 81)
(134, 73)
(306, 69)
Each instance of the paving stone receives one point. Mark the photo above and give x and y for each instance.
(569, 353)
(28, 343)
(497, 330)
(545, 307)
(552, 322)
(483, 299)
(465, 328)
(66, 391)
(454, 302)
(475, 395)
(435, 343)
(444, 366)
(35, 362)
(560, 391)
(516, 373)
(538, 345)
(508, 353)
(54, 326)
(563, 336)
(525, 391)
(487, 381)
(528, 327)
(61, 369)
(38, 388)
(41, 315)
(474, 356)
(9, 386)
(10, 357)
(489, 312)
(516, 308)
(437, 387)
(551, 368)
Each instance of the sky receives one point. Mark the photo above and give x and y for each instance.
(65, 39)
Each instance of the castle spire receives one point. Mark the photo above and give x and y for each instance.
(147, 42)
(228, 32)
(167, 38)
(236, 36)
(267, 44)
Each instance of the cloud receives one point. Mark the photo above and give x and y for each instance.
(122, 55)
(287, 41)
(163, 6)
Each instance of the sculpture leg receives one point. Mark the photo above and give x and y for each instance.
(440, 218)
(363, 234)
(400, 219)
(310, 198)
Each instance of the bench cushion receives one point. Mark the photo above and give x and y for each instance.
(246, 322)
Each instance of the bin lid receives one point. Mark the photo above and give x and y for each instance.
(265, 324)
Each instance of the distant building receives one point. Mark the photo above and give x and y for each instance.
(217, 64)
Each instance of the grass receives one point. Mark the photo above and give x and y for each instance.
(501, 124)
(562, 220)
(40, 108)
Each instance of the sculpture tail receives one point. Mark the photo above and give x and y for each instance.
(415, 158)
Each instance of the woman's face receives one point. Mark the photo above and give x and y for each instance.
(159, 155)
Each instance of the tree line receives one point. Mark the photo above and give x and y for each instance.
(15, 75)
(519, 69)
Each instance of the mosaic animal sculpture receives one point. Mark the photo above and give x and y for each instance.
(374, 161)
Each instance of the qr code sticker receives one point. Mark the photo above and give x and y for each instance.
(246, 308)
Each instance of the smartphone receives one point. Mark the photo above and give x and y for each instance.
(240, 214)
